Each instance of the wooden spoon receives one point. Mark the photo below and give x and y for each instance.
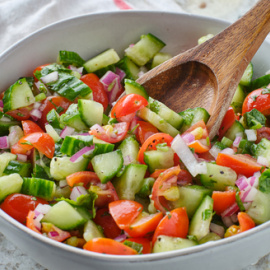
(207, 75)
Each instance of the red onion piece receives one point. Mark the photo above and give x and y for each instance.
(4, 142)
(77, 192)
(42, 208)
(37, 220)
(1, 103)
(121, 73)
(127, 118)
(230, 210)
(263, 161)
(50, 78)
(184, 153)
(53, 234)
(79, 69)
(237, 141)
(67, 131)
(214, 151)
(22, 157)
(251, 134)
(112, 85)
(35, 114)
(188, 138)
(217, 229)
(87, 150)
(120, 237)
(242, 183)
(228, 151)
(227, 221)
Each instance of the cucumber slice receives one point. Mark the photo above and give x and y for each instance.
(5, 125)
(10, 184)
(39, 187)
(69, 58)
(91, 112)
(64, 216)
(5, 158)
(106, 166)
(204, 38)
(192, 116)
(91, 231)
(66, 85)
(41, 165)
(15, 166)
(236, 129)
(259, 82)
(158, 159)
(147, 115)
(18, 95)
(209, 237)
(61, 167)
(218, 177)
(72, 118)
(167, 243)
(129, 67)
(130, 149)
(191, 197)
(72, 144)
(160, 58)
(108, 57)
(146, 187)
(259, 210)
(102, 147)
(166, 113)
(145, 49)
(132, 87)
(200, 222)
(263, 149)
(247, 76)
(129, 183)
(238, 99)
(53, 119)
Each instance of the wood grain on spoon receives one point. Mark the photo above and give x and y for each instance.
(207, 75)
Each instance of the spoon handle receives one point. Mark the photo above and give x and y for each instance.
(237, 45)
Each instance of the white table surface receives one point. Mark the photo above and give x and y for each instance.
(44, 12)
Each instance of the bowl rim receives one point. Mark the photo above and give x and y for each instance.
(124, 258)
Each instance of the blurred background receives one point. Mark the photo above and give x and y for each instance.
(19, 18)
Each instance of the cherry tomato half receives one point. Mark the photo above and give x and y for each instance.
(111, 133)
(60, 104)
(151, 142)
(30, 127)
(21, 113)
(128, 105)
(43, 142)
(99, 94)
(257, 99)
(18, 205)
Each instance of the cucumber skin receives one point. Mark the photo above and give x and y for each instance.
(38, 187)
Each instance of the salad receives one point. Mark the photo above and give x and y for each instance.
(85, 165)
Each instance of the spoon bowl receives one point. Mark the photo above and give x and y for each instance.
(208, 74)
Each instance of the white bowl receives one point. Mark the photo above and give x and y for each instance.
(88, 35)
